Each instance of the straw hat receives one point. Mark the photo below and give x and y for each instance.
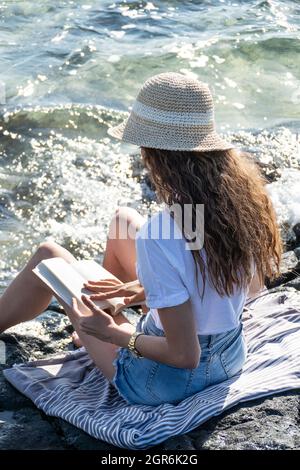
(172, 112)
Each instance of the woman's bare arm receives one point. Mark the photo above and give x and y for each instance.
(255, 287)
(180, 346)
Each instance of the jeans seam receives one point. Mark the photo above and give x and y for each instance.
(208, 362)
(150, 380)
(229, 341)
(222, 360)
(189, 382)
(207, 371)
(224, 366)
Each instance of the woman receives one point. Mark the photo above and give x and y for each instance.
(192, 336)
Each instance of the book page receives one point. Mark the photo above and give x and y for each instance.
(64, 280)
(90, 270)
(93, 271)
(51, 281)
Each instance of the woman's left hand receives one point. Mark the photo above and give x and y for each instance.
(99, 323)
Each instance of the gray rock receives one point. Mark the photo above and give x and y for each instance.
(289, 262)
(295, 283)
(297, 252)
(26, 429)
(296, 230)
(289, 268)
(183, 442)
(271, 423)
(78, 439)
(47, 334)
(10, 399)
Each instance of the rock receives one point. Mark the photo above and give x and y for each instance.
(297, 252)
(10, 399)
(289, 262)
(295, 283)
(183, 442)
(289, 268)
(26, 429)
(47, 334)
(296, 230)
(77, 439)
(270, 423)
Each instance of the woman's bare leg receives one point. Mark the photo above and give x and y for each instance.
(102, 353)
(26, 297)
(120, 255)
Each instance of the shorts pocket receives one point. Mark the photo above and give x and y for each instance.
(124, 357)
(234, 355)
(168, 384)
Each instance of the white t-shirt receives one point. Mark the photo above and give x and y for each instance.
(166, 270)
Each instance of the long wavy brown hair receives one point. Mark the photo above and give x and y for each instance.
(240, 224)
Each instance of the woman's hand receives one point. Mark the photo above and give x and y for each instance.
(98, 323)
(132, 291)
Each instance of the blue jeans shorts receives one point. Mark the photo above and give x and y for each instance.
(143, 381)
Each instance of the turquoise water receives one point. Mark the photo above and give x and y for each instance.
(99, 52)
(70, 69)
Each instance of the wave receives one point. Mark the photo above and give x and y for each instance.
(62, 177)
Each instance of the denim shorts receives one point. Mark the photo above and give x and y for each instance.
(143, 381)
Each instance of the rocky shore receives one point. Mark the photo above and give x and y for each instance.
(270, 423)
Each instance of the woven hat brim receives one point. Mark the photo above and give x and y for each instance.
(117, 131)
(209, 142)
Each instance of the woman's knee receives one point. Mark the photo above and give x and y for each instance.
(48, 249)
(125, 222)
(127, 214)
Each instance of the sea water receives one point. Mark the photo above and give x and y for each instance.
(71, 69)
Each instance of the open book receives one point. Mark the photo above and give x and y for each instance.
(66, 281)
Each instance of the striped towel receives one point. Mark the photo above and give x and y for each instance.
(72, 388)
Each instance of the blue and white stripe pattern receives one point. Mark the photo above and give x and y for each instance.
(72, 388)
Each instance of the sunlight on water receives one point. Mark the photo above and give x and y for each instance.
(71, 69)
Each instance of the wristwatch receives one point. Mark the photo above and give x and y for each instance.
(131, 343)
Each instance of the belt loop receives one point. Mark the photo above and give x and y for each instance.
(210, 341)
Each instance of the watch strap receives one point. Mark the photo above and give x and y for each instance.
(131, 343)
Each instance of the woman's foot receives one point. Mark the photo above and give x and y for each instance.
(76, 340)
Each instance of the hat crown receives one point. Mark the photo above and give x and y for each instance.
(171, 91)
